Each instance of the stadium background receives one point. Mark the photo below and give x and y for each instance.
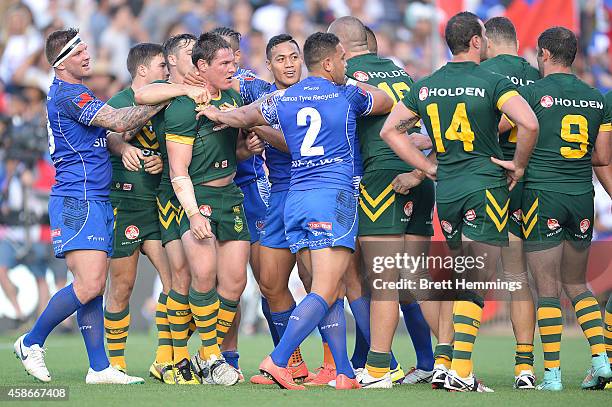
(407, 31)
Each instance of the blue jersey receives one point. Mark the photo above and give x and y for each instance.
(78, 149)
(278, 162)
(318, 120)
(251, 169)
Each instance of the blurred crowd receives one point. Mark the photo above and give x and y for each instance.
(407, 31)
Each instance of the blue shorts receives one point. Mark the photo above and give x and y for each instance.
(273, 233)
(80, 225)
(256, 196)
(319, 218)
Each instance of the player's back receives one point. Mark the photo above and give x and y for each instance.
(570, 113)
(459, 105)
(384, 74)
(78, 150)
(318, 119)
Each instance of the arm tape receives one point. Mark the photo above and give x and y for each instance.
(183, 189)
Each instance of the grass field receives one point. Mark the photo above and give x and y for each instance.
(67, 362)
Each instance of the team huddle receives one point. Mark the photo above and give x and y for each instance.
(204, 168)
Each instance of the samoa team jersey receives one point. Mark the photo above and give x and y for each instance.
(135, 184)
(278, 162)
(252, 168)
(318, 119)
(460, 105)
(520, 73)
(571, 114)
(78, 149)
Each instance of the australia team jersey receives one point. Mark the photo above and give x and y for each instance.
(384, 74)
(318, 119)
(521, 73)
(214, 144)
(570, 113)
(135, 184)
(459, 104)
(278, 162)
(78, 150)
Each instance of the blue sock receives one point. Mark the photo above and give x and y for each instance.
(63, 304)
(304, 318)
(265, 308)
(280, 321)
(361, 312)
(90, 318)
(333, 329)
(420, 335)
(231, 357)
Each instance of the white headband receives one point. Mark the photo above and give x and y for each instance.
(67, 50)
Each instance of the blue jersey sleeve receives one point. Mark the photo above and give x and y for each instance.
(252, 88)
(79, 103)
(361, 101)
(269, 108)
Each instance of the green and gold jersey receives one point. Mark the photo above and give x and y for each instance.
(571, 114)
(136, 184)
(214, 145)
(459, 104)
(520, 73)
(385, 75)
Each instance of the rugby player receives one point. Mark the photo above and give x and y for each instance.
(80, 212)
(460, 105)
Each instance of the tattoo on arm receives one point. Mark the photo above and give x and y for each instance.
(125, 119)
(405, 125)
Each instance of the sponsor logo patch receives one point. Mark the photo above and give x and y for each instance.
(259, 224)
(446, 226)
(470, 215)
(408, 208)
(361, 76)
(584, 225)
(546, 101)
(320, 225)
(552, 224)
(56, 232)
(236, 209)
(82, 100)
(127, 187)
(132, 232)
(224, 164)
(423, 93)
(205, 210)
(518, 215)
(238, 224)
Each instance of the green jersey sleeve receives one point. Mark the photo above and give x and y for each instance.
(180, 121)
(606, 124)
(503, 91)
(410, 98)
(121, 99)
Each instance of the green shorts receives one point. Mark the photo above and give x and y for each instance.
(481, 216)
(550, 217)
(135, 222)
(223, 207)
(385, 212)
(516, 215)
(169, 213)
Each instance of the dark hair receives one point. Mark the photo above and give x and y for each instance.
(561, 43)
(459, 31)
(207, 46)
(56, 41)
(371, 40)
(234, 36)
(318, 47)
(142, 54)
(501, 29)
(277, 40)
(172, 44)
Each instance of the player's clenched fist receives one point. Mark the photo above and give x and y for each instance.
(198, 94)
(254, 143)
(200, 226)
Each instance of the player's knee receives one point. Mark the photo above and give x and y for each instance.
(90, 289)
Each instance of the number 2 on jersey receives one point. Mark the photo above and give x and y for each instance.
(308, 149)
(459, 128)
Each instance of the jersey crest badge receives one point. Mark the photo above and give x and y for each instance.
(584, 225)
(408, 208)
(546, 101)
(132, 232)
(361, 76)
(205, 210)
(446, 226)
(423, 93)
(552, 224)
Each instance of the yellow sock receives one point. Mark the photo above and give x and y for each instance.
(179, 315)
(523, 358)
(443, 354)
(608, 330)
(550, 325)
(589, 318)
(116, 325)
(205, 308)
(227, 312)
(378, 363)
(164, 336)
(466, 322)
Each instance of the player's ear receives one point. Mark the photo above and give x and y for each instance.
(545, 54)
(237, 57)
(202, 65)
(268, 65)
(172, 60)
(476, 41)
(327, 64)
(141, 70)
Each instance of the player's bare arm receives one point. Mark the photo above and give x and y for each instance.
(241, 118)
(179, 158)
(421, 141)
(601, 149)
(272, 136)
(381, 103)
(155, 93)
(393, 133)
(604, 175)
(126, 118)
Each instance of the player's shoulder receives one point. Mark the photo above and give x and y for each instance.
(232, 94)
(179, 107)
(123, 98)
(77, 92)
